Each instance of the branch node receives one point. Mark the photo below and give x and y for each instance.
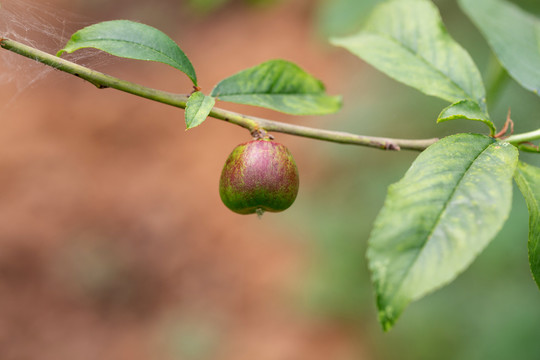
(391, 146)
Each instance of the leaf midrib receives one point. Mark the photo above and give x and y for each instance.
(139, 44)
(435, 225)
(430, 65)
(276, 79)
(203, 102)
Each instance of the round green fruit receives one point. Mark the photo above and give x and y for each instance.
(259, 176)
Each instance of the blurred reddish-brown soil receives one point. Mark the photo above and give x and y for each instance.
(113, 241)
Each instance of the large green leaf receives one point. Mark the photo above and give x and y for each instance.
(131, 40)
(435, 221)
(528, 180)
(197, 109)
(407, 40)
(514, 36)
(279, 85)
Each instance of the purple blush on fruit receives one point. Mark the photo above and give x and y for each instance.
(259, 176)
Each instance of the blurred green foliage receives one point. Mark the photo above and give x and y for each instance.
(207, 6)
(194, 338)
(342, 17)
(490, 311)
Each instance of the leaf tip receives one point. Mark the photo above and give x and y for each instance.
(194, 80)
(386, 319)
(193, 123)
(190, 124)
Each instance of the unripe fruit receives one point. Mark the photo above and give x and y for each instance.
(259, 176)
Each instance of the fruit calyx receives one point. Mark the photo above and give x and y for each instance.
(261, 134)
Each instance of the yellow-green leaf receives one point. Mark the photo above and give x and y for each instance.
(197, 109)
(407, 40)
(528, 179)
(436, 220)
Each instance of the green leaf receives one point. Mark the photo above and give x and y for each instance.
(197, 109)
(528, 180)
(436, 220)
(514, 36)
(342, 17)
(468, 110)
(407, 40)
(131, 40)
(278, 85)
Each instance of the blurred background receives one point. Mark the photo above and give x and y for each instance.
(114, 243)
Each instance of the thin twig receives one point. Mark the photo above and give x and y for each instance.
(524, 137)
(249, 122)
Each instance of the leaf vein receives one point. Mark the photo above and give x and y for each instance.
(425, 61)
(436, 223)
(138, 44)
